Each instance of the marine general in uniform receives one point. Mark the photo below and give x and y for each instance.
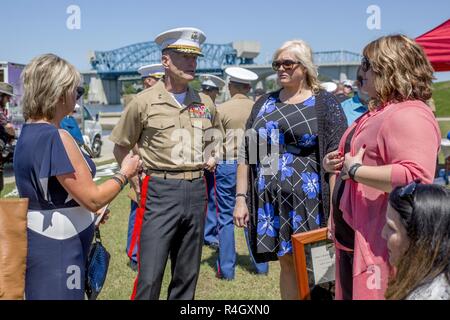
(170, 123)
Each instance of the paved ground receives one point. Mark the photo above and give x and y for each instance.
(106, 155)
(108, 123)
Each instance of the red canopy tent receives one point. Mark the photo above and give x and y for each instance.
(436, 44)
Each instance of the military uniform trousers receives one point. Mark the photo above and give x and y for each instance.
(211, 223)
(173, 222)
(131, 220)
(226, 200)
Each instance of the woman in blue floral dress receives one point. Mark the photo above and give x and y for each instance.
(288, 192)
(294, 190)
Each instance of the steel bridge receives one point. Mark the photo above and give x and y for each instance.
(110, 68)
(126, 60)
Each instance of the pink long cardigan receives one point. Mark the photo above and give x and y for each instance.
(406, 136)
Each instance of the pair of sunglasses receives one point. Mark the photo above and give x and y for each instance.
(210, 89)
(408, 190)
(80, 92)
(365, 64)
(360, 79)
(286, 64)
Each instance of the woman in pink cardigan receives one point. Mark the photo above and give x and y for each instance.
(394, 143)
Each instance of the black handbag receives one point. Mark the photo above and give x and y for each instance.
(97, 267)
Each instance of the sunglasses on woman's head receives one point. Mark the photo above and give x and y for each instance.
(408, 190)
(287, 64)
(80, 92)
(365, 64)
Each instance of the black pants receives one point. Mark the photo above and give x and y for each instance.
(346, 274)
(173, 223)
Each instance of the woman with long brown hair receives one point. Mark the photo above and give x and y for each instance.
(394, 143)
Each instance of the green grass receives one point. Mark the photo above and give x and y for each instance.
(246, 286)
(445, 128)
(119, 283)
(441, 96)
(7, 189)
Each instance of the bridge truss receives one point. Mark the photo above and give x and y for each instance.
(126, 61)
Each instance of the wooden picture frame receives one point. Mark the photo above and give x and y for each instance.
(300, 242)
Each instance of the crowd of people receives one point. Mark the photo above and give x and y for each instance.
(295, 160)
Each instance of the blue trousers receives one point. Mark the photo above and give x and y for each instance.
(211, 229)
(226, 200)
(131, 221)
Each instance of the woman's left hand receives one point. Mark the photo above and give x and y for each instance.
(349, 161)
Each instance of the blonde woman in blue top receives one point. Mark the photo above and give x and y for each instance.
(57, 178)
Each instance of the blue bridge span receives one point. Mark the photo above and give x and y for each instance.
(110, 68)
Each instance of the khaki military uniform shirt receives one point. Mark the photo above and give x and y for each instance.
(234, 115)
(170, 136)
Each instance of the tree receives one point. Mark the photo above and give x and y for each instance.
(86, 92)
(272, 85)
(129, 89)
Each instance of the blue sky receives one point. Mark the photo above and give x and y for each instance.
(32, 27)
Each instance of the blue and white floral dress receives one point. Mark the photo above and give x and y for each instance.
(289, 199)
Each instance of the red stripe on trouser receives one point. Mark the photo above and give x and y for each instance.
(136, 237)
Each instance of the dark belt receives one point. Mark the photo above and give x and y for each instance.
(180, 175)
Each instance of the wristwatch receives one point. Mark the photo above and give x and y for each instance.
(241, 195)
(353, 169)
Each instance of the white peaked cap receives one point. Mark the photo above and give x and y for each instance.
(186, 40)
(212, 81)
(348, 83)
(152, 70)
(329, 86)
(241, 75)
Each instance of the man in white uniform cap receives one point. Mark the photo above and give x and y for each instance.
(211, 85)
(233, 115)
(348, 87)
(151, 74)
(163, 121)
